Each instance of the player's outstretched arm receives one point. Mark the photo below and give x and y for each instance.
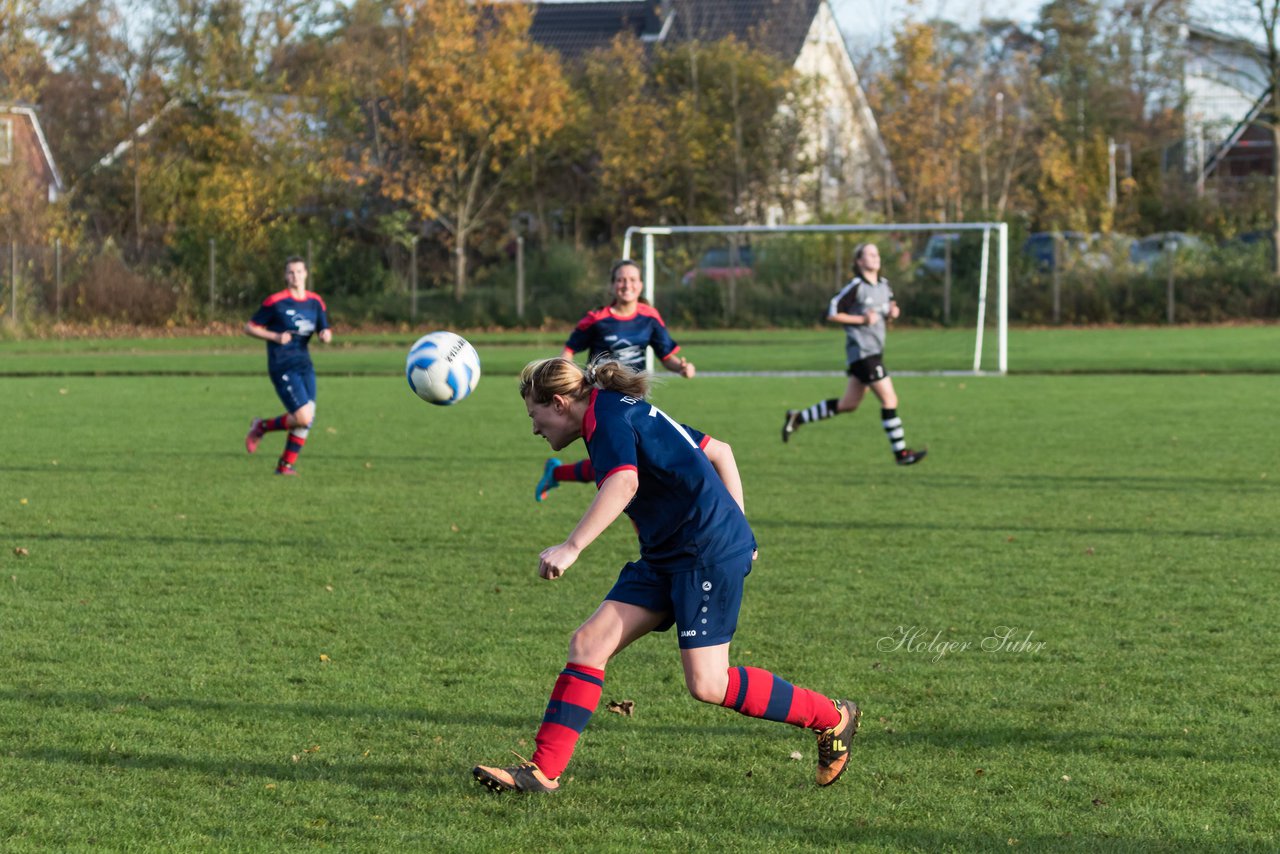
(615, 494)
(680, 365)
(722, 459)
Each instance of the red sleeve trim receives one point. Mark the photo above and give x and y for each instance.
(276, 297)
(315, 296)
(612, 472)
(706, 440)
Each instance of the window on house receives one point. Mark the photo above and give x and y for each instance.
(6, 140)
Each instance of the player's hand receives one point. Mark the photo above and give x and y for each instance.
(894, 311)
(326, 335)
(755, 553)
(870, 318)
(286, 337)
(553, 561)
(687, 370)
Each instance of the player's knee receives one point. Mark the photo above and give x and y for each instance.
(585, 648)
(707, 687)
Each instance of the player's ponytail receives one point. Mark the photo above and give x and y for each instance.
(542, 380)
(615, 376)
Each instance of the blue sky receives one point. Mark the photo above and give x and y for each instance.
(868, 23)
(871, 22)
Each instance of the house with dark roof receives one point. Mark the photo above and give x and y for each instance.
(23, 147)
(854, 166)
(1225, 83)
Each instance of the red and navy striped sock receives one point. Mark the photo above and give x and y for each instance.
(579, 472)
(573, 701)
(293, 446)
(280, 422)
(758, 693)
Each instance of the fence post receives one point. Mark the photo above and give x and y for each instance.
(946, 282)
(840, 278)
(1059, 257)
(520, 276)
(57, 280)
(13, 280)
(413, 279)
(213, 276)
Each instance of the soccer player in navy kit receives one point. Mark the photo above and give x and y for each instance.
(863, 306)
(620, 331)
(286, 320)
(682, 491)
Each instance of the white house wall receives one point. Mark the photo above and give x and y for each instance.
(1223, 81)
(855, 163)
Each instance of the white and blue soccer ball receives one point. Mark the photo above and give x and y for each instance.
(442, 368)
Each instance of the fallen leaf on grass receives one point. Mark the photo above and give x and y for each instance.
(797, 755)
(324, 658)
(621, 708)
(21, 552)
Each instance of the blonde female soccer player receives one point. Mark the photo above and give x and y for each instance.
(621, 331)
(682, 491)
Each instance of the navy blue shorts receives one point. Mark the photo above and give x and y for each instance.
(295, 388)
(701, 603)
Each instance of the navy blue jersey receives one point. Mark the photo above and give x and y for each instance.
(682, 511)
(622, 337)
(301, 318)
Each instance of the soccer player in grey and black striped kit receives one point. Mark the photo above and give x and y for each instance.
(863, 307)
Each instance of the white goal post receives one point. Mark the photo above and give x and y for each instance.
(1001, 230)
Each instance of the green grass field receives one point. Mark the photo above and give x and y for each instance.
(201, 656)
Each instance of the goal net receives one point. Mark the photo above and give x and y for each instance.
(951, 281)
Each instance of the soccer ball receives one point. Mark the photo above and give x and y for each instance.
(442, 368)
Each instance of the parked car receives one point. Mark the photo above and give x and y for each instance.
(718, 264)
(1045, 249)
(1252, 238)
(1147, 251)
(933, 260)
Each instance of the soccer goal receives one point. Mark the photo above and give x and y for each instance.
(785, 275)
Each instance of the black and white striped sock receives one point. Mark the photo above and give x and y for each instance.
(893, 429)
(820, 411)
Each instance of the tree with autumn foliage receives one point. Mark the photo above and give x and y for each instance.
(466, 98)
(923, 107)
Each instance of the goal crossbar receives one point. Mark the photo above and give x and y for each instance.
(1001, 230)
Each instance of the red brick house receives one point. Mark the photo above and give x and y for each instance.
(24, 147)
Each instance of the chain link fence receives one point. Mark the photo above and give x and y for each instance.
(788, 285)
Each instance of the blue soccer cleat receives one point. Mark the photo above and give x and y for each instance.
(548, 480)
